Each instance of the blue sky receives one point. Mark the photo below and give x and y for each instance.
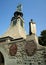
(32, 9)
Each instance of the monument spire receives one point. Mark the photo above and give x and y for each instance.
(19, 11)
(16, 29)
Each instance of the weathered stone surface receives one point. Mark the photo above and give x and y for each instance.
(15, 39)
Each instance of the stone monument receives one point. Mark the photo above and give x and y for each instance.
(18, 48)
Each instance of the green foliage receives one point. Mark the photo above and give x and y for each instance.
(42, 38)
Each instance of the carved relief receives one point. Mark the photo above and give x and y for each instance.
(30, 47)
(13, 49)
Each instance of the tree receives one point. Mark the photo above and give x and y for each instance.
(42, 38)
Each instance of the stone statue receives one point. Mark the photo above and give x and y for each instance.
(19, 7)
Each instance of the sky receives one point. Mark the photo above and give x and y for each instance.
(32, 9)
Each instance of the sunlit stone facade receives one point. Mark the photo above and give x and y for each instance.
(18, 48)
